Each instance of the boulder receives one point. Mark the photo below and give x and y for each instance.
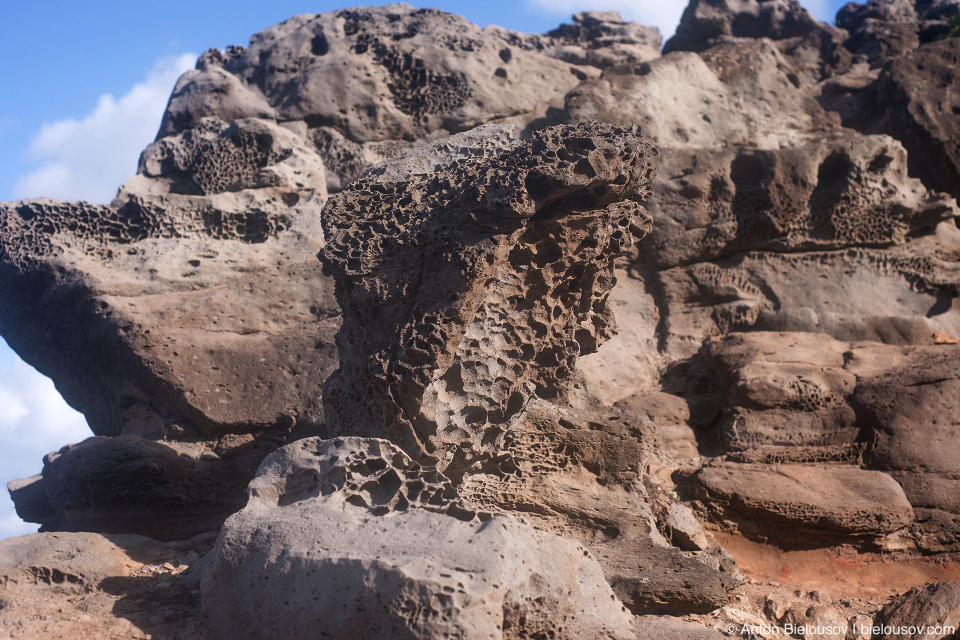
(929, 611)
(129, 484)
(704, 20)
(391, 64)
(190, 307)
(783, 389)
(331, 543)
(805, 505)
(409, 76)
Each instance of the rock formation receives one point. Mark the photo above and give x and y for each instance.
(557, 368)
(374, 545)
(470, 289)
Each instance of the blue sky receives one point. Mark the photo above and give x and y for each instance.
(85, 84)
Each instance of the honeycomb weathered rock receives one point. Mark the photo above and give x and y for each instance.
(466, 291)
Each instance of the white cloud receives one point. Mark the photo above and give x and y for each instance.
(34, 420)
(663, 14)
(89, 157)
(823, 10)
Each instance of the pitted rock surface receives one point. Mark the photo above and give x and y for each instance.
(363, 472)
(920, 103)
(579, 473)
(220, 276)
(932, 605)
(363, 84)
(704, 20)
(466, 292)
(308, 556)
(189, 310)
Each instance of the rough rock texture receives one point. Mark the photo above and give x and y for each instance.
(921, 611)
(788, 326)
(920, 96)
(666, 628)
(806, 503)
(603, 39)
(364, 84)
(340, 525)
(166, 490)
(91, 587)
(448, 366)
(431, 354)
(105, 298)
(191, 309)
(704, 20)
(808, 398)
(580, 475)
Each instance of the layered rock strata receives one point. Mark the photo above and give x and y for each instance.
(468, 290)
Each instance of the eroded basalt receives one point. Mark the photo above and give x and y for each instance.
(466, 292)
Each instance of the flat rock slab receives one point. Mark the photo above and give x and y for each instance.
(829, 501)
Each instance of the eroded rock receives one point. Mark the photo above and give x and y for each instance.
(432, 355)
(919, 107)
(166, 313)
(332, 543)
(704, 20)
(130, 484)
(922, 612)
(805, 502)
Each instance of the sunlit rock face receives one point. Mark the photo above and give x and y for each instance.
(468, 290)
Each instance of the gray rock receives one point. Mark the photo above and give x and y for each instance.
(485, 142)
(755, 104)
(407, 75)
(181, 314)
(579, 473)
(667, 628)
(908, 398)
(309, 556)
(604, 39)
(837, 191)
(914, 101)
(86, 585)
(69, 562)
(783, 389)
(704, 20)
